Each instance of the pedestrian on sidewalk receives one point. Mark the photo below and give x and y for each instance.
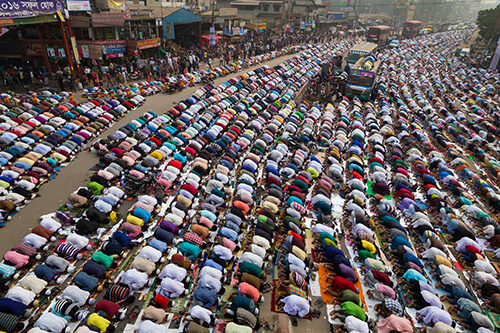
(210, 63)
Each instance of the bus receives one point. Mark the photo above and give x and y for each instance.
(378, 34)
(443, 26)
(360, 50)
(411, 29)
(361, 80)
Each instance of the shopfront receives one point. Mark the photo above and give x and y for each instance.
(101, 52)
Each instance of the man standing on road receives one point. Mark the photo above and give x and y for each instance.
(87, 72)
(124, 76)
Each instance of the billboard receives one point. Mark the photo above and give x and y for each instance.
(117, 4)
(20, 9)
(78, 5)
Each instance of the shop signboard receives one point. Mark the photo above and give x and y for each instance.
(114, 48)
(148, 43)
(95, 51)
(102, 20)
(140, 14)
(116, 55)
(20, 9)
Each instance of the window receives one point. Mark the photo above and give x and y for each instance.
(276, 8)
(265, 8)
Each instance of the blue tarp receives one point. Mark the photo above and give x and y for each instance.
(179, 16)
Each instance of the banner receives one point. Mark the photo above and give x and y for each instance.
(33, 48)
(250, 25)
(75, 50)
(78, 5)
(117, 4)
(261, 26)
(148, 43)
(19, 9)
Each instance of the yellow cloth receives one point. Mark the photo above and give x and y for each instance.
(440, 260)
(135, 220)
(157, 155)
(369, 246)
(99, 322)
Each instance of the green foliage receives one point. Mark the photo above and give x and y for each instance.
(486, 21)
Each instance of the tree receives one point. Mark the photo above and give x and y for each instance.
(488, 21)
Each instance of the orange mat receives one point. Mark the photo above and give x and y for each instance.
(328, 298)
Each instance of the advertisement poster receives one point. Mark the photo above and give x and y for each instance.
(3, 30)
(51, 52)
(83, 51)
(117, 4)
(78, 5)
(33, 48)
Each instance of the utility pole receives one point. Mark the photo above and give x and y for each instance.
(355, 25)
(212, 4)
